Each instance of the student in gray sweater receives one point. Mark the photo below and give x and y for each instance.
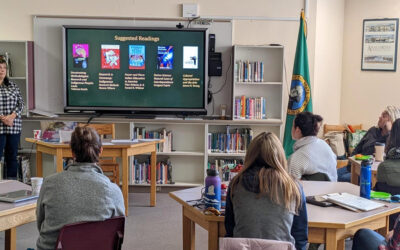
(80, 193)
(263, 200)
(311, 155)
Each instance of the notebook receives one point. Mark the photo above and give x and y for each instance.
(17, 196)
(353, 201)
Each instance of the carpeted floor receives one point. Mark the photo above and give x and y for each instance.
(146, 228)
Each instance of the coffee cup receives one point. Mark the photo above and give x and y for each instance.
(37, 134)
(379, 151)
(36, 184)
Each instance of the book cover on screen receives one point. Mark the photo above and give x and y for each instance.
(190, 57)
(80, 55)
(110, 56)
(137, 57)
(165, 57)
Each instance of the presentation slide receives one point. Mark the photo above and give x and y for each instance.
(134, 68)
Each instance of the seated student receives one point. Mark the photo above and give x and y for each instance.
(366, 239)
(379, 133)
(311, 154)
(389, 169)
(388, 175)
(263, 200)
(80, 193)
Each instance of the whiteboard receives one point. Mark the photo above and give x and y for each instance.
(47, 35)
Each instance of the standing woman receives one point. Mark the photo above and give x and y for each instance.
(11, 105)
(263, 200)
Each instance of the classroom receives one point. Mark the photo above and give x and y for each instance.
(176, 125)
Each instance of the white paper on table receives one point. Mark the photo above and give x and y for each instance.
(124, 141)
(144, 140)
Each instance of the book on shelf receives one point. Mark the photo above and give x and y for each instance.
(250, 108)
(141, 172)
(233, 141)
(247, 71)
(141, 133)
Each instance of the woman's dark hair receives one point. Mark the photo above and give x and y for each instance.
(6, 81)
(308, 123)
(85, 144)
(393, 140)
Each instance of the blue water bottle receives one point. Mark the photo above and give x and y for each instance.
(365, 179)
(213, 189)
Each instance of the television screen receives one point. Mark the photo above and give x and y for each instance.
(135, 70)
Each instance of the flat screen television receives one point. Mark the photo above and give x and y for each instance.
(135, 70)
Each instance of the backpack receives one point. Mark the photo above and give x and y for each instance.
(335, 140)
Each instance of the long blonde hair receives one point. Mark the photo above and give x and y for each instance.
(266, 149)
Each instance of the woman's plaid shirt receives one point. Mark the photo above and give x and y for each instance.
(11, 101)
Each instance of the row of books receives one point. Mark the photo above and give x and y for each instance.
(246, 71)
(227, 168)
(141, 172)
(235, 141)
(250, 108)
(142, 133)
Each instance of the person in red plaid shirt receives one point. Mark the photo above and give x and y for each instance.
(366, 239)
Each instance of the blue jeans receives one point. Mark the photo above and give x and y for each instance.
(9, 144)
(366, 239)
(344, 175)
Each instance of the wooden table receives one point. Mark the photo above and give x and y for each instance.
(329, 225)
(356, 168)
(15, 214)
(123, 150)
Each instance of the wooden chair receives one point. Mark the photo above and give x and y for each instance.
(110, 165)
(99, 235)
(340, 128)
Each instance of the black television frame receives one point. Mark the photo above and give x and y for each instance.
(135, 110)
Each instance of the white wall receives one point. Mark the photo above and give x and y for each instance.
(328, 59)
(366, 93)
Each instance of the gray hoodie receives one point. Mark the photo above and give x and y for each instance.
(312, 155)
(80, 193)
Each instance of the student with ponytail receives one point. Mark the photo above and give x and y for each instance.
(263, 200)
(80, 193)
(311, 155)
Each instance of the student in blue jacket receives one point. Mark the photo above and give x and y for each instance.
(263, 200)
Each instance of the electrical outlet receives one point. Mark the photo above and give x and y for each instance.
(203, 21)
(158, 189)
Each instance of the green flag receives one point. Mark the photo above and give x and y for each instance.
(300, 88)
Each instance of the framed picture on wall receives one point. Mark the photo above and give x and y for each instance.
(379, 50)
